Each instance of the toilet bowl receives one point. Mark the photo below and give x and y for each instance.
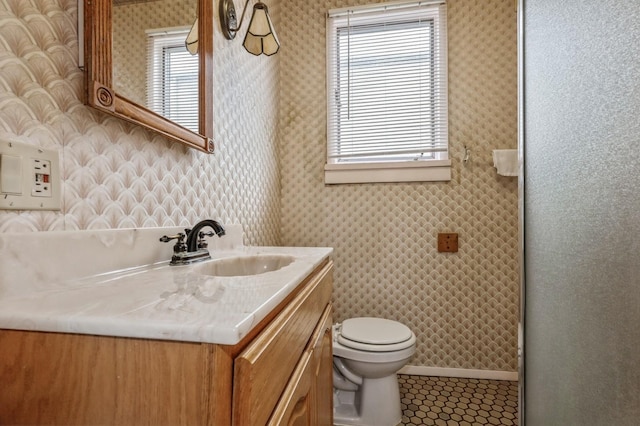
(367, 354)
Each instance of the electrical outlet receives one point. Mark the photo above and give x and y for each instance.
(41, 175)
(448, 242)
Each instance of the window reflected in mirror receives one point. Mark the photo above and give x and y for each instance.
(151, 64)
(172, 77)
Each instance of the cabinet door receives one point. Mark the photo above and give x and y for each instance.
(264, 369)
(297, 404)
(308, 397)
(323, 374)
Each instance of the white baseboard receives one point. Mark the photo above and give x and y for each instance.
(417, 370)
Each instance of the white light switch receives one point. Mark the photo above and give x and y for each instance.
(10, 174)
(29, 177)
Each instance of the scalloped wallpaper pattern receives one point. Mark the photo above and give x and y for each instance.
(463, 307)
(118, 175)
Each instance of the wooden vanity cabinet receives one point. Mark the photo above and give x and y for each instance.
(280, 374)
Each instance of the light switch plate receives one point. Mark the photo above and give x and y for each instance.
(11, 174)
(29, 177)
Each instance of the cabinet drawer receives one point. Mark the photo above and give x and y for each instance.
(262, 370)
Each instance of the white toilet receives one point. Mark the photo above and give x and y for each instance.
(367, 353)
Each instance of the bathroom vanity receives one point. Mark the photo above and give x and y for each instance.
(264, 358)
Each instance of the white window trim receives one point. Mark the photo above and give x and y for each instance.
(388, 172)
(435, 170)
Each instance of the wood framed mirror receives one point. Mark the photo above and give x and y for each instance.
(104, 77)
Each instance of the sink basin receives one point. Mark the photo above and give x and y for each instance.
(244, 265)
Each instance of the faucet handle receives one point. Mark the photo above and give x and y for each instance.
(180, 246)
(166, 238)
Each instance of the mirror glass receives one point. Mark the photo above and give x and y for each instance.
(149, 62)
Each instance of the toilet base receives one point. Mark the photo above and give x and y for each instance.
(375, 403)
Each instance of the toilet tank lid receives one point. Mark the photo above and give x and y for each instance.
(375, 331)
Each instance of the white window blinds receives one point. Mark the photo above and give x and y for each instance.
(387, 83)
(172, 84)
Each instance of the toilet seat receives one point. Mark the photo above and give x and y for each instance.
(375, 335)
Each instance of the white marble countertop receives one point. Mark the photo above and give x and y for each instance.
(159, 301)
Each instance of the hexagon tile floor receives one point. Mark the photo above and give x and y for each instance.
(445, 401)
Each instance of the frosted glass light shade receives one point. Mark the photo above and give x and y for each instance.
(261, 38)
(191, 42)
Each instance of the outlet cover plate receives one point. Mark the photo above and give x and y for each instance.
(29, 198)
(448, 242)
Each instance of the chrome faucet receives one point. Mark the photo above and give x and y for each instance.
(195, 249)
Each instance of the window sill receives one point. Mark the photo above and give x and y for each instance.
(410, 171)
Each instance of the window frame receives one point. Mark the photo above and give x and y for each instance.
(437, 168)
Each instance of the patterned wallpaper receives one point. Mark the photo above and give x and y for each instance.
(118, 175)
(463, 307)
(267, 171)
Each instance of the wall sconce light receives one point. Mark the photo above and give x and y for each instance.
(191, 42)
(261, 38)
